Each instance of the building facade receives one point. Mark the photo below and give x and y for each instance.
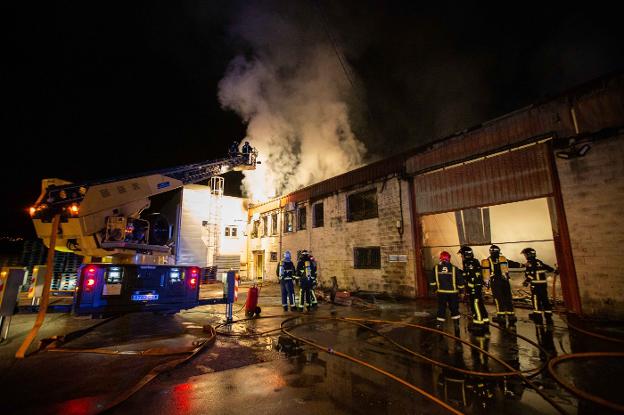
(547, 176)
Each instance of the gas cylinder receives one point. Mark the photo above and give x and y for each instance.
(251, 304)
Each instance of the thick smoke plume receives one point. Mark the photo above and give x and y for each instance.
(292, 92)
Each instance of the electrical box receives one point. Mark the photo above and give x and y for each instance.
(10, 280)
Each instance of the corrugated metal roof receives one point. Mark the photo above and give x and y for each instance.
(371, 172)
(597, 106)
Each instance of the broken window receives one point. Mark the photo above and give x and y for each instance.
(367, 258)
(362, 205)
(265, 226)
(318, 215)
(274, 224)
(288, 222)
(301, 218)
(254, 229)
(273, 256)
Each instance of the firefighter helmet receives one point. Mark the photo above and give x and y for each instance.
(466, 252)
(445, 256)
(494, 251)
(529, 253)
(287, 256)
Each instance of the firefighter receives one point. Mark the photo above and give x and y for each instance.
(474, 282)
(535, 276)
(234, 148)
(446, 283)
(247, 150)
(306, 272)
(285, 274)
(496, 269)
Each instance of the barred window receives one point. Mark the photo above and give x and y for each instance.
(367, 258)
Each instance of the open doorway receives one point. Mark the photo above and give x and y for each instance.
(511, 226)
(259, 265)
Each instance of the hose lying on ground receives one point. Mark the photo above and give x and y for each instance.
(576, 391)
(413, 387)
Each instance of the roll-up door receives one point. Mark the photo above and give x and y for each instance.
(500, 178)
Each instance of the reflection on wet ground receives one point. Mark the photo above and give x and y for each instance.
(254, 368)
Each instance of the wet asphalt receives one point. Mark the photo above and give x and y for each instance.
(244, 373)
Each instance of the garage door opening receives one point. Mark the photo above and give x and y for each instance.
(511, 226)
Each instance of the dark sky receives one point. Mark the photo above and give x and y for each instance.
(93, 90)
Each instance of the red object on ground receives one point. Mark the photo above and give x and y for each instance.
(251, 304)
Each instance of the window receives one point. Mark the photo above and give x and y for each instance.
(367, 258)
(274, 224)
(273, 256)
(301, 218)
(254, 229)
(288, 222)
(265, 226)
(362, 205)
(231, 231)
(317, 215)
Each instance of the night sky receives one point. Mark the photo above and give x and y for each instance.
(94, 90)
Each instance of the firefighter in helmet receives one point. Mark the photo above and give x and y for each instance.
(247, 150)
(474, 282)
(285, 274)
(446, 283)
(535, 276)
(306, 273)
(496, 269)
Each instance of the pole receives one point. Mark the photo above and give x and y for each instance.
(45, 297)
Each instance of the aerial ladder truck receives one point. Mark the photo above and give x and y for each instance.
(129, 262)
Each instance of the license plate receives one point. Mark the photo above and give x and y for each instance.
(144, 297)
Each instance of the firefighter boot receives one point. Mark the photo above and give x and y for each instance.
(549, 319)
(456, 326)
(285, 308)
(537, 318)
(512, 319)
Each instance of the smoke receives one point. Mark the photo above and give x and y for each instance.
(295, 98)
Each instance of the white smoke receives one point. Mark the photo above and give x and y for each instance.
(292, 93)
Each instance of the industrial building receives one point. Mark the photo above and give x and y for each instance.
(548, 176)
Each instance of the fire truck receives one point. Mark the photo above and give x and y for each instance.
(118, 225)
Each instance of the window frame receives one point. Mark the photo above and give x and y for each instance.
(365, 215)
(302, 224)
(315, 223)
(287, 215)
(274, 224)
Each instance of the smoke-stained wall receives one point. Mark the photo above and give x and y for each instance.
(333, 244)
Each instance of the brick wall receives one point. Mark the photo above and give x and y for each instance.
(593, 194)
(332, 244)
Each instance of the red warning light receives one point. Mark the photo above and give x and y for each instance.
(90, 282)
(193, 282)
